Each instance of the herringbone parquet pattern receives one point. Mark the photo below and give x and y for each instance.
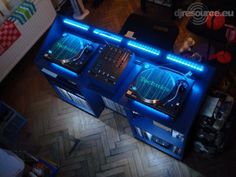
(107, 148)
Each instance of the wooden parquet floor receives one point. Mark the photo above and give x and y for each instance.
(107, 148)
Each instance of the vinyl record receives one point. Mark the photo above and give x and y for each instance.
(67, 47)
(154, 84)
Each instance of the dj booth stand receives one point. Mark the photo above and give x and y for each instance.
(148, 125)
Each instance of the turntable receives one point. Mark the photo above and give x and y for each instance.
(71, 52)
(162, 88)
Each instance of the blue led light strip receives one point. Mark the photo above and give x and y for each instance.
(161, 114)
(108, 35)
(144, 48)
(185, 62)
(64, 69)
(76, 24)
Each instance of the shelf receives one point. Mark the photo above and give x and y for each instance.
(161, 148)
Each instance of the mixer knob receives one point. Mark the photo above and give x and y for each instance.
(89, 48)
(183, 86)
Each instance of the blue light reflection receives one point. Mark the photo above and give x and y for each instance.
(65, 70)
(159, 114)
(108, 35)
(76, 24)
(144, 48)
(182, 61)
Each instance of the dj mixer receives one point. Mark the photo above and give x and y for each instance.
(110, 63)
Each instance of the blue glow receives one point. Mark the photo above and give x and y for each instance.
(146, 66)
(76, 24)
(185, 62)
(145, 48)
(133, 88)
(108, 35)
(161, 114)
(65, 70)
(196, 89)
